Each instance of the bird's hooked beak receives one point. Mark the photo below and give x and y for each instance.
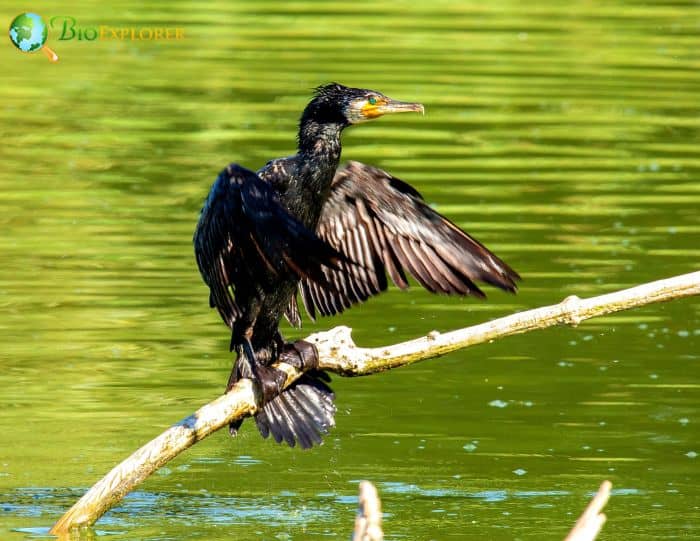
(385, 106)
(374, 106)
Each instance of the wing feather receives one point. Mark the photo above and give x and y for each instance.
(244, 232)
(384, 227)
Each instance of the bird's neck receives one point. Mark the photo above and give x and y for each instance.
(319, 151)
(320, 141)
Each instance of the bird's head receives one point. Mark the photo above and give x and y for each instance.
(338, 104)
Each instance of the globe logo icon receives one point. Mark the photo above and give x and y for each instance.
(28, 33)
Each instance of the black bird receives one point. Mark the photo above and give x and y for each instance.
(301, 225)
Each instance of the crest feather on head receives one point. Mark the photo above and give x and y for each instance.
(329, 89)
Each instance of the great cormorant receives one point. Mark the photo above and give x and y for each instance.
(302, 225)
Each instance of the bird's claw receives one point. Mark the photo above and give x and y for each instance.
(271, 381)
(301, 354)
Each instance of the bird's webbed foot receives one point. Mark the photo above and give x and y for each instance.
(301, 354)
(301, 414)
(270, 379)
(248, 366)
(305, 411)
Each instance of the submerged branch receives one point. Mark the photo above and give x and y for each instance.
(368, 522)
(338, 353)
(591, 521)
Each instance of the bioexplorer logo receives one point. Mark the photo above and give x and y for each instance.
(28, 32)
(69, 29)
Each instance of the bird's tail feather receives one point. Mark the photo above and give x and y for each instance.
(302, 414)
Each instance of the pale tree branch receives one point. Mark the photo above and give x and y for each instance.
(591, 521)
(338, 353)
(368, 522)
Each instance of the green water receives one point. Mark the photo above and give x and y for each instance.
(565, 136)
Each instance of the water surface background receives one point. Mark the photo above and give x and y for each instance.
(565, 136)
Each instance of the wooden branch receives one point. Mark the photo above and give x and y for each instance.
(338, 353)
(368, 522)
(591, 521)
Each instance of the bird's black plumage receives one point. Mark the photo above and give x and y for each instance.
(300, 224)
(385, 227)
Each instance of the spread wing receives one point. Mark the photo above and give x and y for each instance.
(385, 226)
(244, 233)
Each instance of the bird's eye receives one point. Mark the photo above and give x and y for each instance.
(372, 100)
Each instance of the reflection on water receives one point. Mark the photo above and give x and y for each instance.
(563, 136)
(284, 512)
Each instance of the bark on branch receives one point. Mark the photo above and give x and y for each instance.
(339, 354)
